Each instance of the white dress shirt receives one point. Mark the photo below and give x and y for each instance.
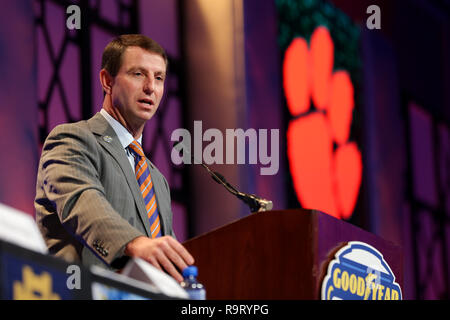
(123, 134)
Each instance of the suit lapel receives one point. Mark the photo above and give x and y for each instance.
(157, 185)
(108, 139)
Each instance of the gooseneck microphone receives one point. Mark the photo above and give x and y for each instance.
(255, 203)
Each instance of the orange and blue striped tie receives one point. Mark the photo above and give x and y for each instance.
(145, 183)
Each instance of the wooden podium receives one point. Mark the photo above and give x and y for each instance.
(278, 254)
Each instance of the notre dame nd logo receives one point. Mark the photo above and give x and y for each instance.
(34, 287)
(359, 272)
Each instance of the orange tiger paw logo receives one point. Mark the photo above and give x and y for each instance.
(325, 178)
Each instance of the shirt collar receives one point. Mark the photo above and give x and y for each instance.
(122, 133)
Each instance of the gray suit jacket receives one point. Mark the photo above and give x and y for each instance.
(88, 202)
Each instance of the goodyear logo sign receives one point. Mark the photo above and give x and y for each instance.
(359, 272)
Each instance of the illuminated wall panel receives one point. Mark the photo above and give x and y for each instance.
(321, 65)
(429, 159)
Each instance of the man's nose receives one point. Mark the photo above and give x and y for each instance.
(149, 85)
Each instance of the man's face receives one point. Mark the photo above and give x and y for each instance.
(138, 87)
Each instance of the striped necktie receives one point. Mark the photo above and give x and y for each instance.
(145, 183)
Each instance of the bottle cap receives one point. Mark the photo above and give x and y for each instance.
(190, 271)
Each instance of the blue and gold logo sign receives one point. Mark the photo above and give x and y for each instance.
(33, 286)
(359, 272)
(24, 279)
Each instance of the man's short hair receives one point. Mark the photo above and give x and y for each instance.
(112, 55)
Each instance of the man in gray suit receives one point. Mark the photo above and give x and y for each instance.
(90, 205)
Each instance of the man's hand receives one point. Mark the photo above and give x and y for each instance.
(163, 253)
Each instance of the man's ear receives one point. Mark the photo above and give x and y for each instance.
(106, 80)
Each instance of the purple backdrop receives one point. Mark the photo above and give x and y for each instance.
(18, 105)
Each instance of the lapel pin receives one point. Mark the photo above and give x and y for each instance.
(107, 139)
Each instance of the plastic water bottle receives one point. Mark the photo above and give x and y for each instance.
(194, 288)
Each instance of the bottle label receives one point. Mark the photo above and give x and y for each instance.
(197, 294)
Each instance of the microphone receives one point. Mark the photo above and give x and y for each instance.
(255, 203)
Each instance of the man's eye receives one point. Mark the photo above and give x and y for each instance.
(138, 73)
